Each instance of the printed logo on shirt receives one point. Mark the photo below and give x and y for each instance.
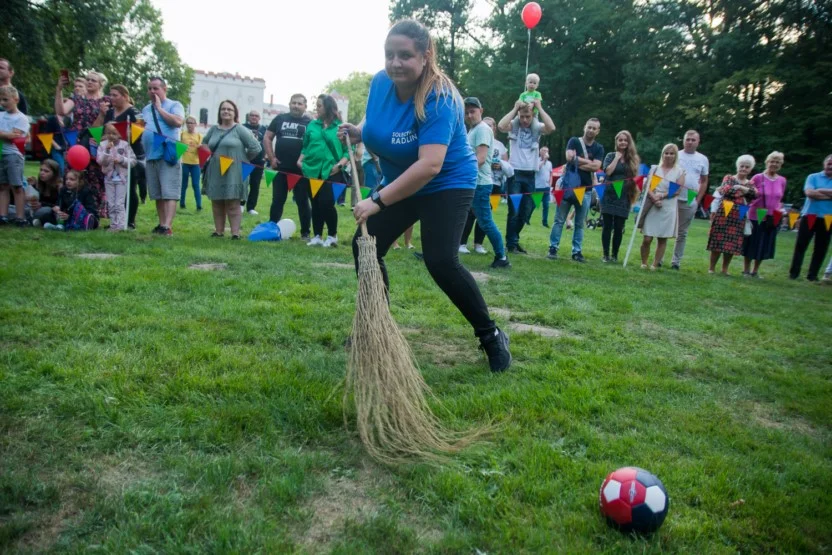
(291, 129)
(403, 137)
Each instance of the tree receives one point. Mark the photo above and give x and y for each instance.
(356, 87)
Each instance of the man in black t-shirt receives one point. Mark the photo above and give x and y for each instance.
(259, 131)
(590, 154)
(287, 130)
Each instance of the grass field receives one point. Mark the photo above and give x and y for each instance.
(151, 408)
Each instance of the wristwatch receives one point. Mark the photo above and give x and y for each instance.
(375, 197)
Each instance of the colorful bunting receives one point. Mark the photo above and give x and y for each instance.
(158, 141)
(225, 163)
(136, 131)
(247, 169)
(709, 199)
(672, 188)
(810, 219)
(96, 132)
(777, 217)
(71, 138)
(792, 219)
(579, 194)
(691, 196)
(366, 192)
(20, 143)
(181, 148)
(537, 198)
(643, 169)
(315, 185)
(761, 214)
(46, 139)
(121, 127)
(515, 201)
(654, 182)
(292, 180)
(270, 174)
(743, 211)
(204, 153)
(639, 181)
(618, 186)
(599, 190)
(558, 197)
(495, 202)
(828, 220)
(337, 189)
(727, 205)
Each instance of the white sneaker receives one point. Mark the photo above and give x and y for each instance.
(316, 241)
(479, 249)
(253, 212)
(47, 225)
(331, 242)
(59, 227)
(463, 249)
(36, 223)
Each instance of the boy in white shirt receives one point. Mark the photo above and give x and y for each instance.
(13, 125)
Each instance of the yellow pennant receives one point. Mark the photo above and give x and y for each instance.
(46, 139)
(727, 205)
(828, 220)
(654, 182)
(579, 194)
(225, 163)
(315, 185)
(135, 132)
(792, 219)
(495, 202)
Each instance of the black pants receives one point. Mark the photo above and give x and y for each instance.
(804, 237)
(442, 216)
(280, 191)
(254, 187)
(613, 225)
(137, 182)
(479, 234)
(323, 207)
(523, 183)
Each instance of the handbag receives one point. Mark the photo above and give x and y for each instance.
(213, 150)
(168, 147)
(570, 178)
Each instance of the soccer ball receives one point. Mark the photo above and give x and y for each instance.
(633, 500)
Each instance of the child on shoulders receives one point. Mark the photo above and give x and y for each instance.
(531, 93)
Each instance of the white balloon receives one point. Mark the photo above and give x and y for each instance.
(287, 228)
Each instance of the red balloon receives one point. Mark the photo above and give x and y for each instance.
(531, 14)
(78, 157)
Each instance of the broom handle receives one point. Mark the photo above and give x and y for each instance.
(356, 188)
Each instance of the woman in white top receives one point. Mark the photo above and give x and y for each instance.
(660, 219)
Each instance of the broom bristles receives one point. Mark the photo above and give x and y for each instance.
(394, 420)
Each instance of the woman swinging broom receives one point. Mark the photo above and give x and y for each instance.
(414, 123)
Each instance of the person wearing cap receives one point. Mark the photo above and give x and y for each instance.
(524, 132)
(481, 140)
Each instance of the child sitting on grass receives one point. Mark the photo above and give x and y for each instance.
(114, 156)
(76, 205)
(48, 185)
(14, 125)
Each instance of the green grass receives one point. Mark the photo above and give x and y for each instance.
(147, 407)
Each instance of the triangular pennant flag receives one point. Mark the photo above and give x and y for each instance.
(315, 185)
(20, 143)
(654, 182)
(181, 148)
(643, 169)
(537, 198)
(743, 211)
(828, 220)
(639, 181)
(270, 174)
(558, 197)
(579, 194)
(792, 219)
(96, 132)
(761, 214)
(225, 163)
(203, 152)
(709, 199)
(777, 217)
(337, 189)
(121, 127)
(691, 196)
(810, 219)
(46, 139)
(515, 201)
(600, 176)
(366, 192)
(247, 169)
(135, 132)
(292, 180)
(600, 190)
(158, 141)
(71, 137)
(672, 188)
(495, 202)
(618, 186)
(727, 205)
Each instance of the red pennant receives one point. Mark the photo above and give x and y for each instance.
(20, 143)
(708, 200)
(777, 217)
(292, 180)
(121, 127)
(203, 152)
(639, 181)
(558, 197)
(810, 219)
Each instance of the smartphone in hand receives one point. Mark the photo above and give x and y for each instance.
(65, 74)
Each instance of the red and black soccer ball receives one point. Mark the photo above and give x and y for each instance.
(634, 500)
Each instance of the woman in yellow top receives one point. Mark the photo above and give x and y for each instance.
(190, 162)
(324, 157)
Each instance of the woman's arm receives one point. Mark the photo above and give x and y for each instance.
(251, 144)
(428, 166)
(610, 168)
(62, 106)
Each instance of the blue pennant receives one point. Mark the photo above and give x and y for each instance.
(247, 169)
(599, 190)
(71, 137)
(743, 211)
(515, 201)
(158, 140)
(337, 189)
(643, 169)
(672, 189)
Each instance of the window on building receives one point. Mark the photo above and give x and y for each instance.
(203, 116)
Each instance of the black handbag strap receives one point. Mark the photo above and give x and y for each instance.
(156, 119)
(216, 146)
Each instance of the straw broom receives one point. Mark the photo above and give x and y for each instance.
(393, 417)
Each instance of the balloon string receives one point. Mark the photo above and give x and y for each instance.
(528, 47)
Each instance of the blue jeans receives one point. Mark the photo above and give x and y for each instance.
(523, 183)
(569, 200)
(191, 170)
(482, 210)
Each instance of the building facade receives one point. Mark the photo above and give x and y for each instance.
(212, 88)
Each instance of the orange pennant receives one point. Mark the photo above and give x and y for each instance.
(315, 185)
(495, 202)
(46, 139)
(792, 219)
(727, 205)
(654, 182)
(579, 194)
(225, 163)
(136, 132)
(828, 220)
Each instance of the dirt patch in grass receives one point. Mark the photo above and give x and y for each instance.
(339, 265)
(97, 255)
(209, 267)
(482, 277)
(46, 530)
(444, 352)
(542, 331)
(501, 312)
(768, 417)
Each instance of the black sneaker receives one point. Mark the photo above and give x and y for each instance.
(304, 237)
(4, 220)
(131, 226)
(418, 255)
(158, 230)
(606, 260)
(614, 260)
(578, 257)
(496, 347)
(673, 266)
(20, 222)
(501, 263)
(553, 253)
(517, 249)
(545, 224)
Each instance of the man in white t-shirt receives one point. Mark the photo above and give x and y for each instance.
(696, 169)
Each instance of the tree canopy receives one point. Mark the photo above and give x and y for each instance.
(356, 87)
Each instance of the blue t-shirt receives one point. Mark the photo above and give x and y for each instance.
(817, 207)
(392, 132)
(171, 107)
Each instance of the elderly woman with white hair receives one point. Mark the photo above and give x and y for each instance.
(771, 186)
(727, 227)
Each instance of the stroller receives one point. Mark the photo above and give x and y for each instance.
(593, 218)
